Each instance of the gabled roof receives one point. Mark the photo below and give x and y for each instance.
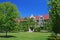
(46, 17)
(37, 17)
(32, 16)
(22, 19)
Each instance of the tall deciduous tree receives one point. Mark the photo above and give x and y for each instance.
(54, 6)
(8, 15)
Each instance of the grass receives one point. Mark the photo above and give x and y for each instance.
(26, 36)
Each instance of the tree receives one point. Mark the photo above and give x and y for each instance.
(24, 24)
(54, 11)
(32, 23)
(8, 15)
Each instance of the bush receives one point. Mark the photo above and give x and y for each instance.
(23, 29)
(37, 29)
(54, 37)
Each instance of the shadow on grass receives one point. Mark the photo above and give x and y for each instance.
(53, 38)
(9, 36)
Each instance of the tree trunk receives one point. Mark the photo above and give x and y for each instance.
(6, 33)
(55, 36)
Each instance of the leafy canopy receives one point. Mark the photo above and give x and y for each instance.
(8, 15)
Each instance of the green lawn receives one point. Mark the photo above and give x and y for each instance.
(26, 36)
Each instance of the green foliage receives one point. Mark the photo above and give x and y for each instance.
(54, 12)
(8, 12)
(47, 26)
(32, 22)
(37, 29)
(26, 24)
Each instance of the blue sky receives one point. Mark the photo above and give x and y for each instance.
(28, 7)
